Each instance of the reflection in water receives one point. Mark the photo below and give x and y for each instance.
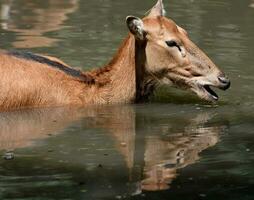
(164, 156)
(162, 150)
(33, 20)
(19, 129)
(252, 4)
(107, 152)
(5, 13)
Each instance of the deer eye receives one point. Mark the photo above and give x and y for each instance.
(172, 43)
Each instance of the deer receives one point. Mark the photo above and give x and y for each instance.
(156, 51)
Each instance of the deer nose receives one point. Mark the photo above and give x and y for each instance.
(225, 82)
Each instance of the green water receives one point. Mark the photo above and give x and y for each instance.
(175, 147)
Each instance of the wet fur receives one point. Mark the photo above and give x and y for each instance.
(30, 80)
(52, 63)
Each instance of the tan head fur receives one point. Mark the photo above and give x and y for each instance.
(172, 58)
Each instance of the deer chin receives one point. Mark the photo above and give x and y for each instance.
(200, 87)
(205, 92)
(202, 91)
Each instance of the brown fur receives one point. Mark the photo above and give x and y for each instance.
(142, 62)
(27, 83)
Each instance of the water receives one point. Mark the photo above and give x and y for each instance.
(173, 148)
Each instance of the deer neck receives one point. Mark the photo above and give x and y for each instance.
(145, 84)
(123, 80)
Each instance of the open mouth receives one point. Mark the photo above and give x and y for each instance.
(211, 93)
(205, 92)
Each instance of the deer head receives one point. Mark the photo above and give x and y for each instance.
(172, 58)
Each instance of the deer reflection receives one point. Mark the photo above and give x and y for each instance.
(169, 148)
(19, 129)
(44, 17)
(164, 156)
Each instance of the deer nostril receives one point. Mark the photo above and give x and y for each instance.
(225, 81)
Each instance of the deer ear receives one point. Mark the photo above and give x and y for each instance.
(157, 10)
(136, 27)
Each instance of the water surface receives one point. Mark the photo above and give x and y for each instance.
(172, 148)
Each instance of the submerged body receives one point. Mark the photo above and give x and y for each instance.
(30, 80)
(29, 83)
(156, 51)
